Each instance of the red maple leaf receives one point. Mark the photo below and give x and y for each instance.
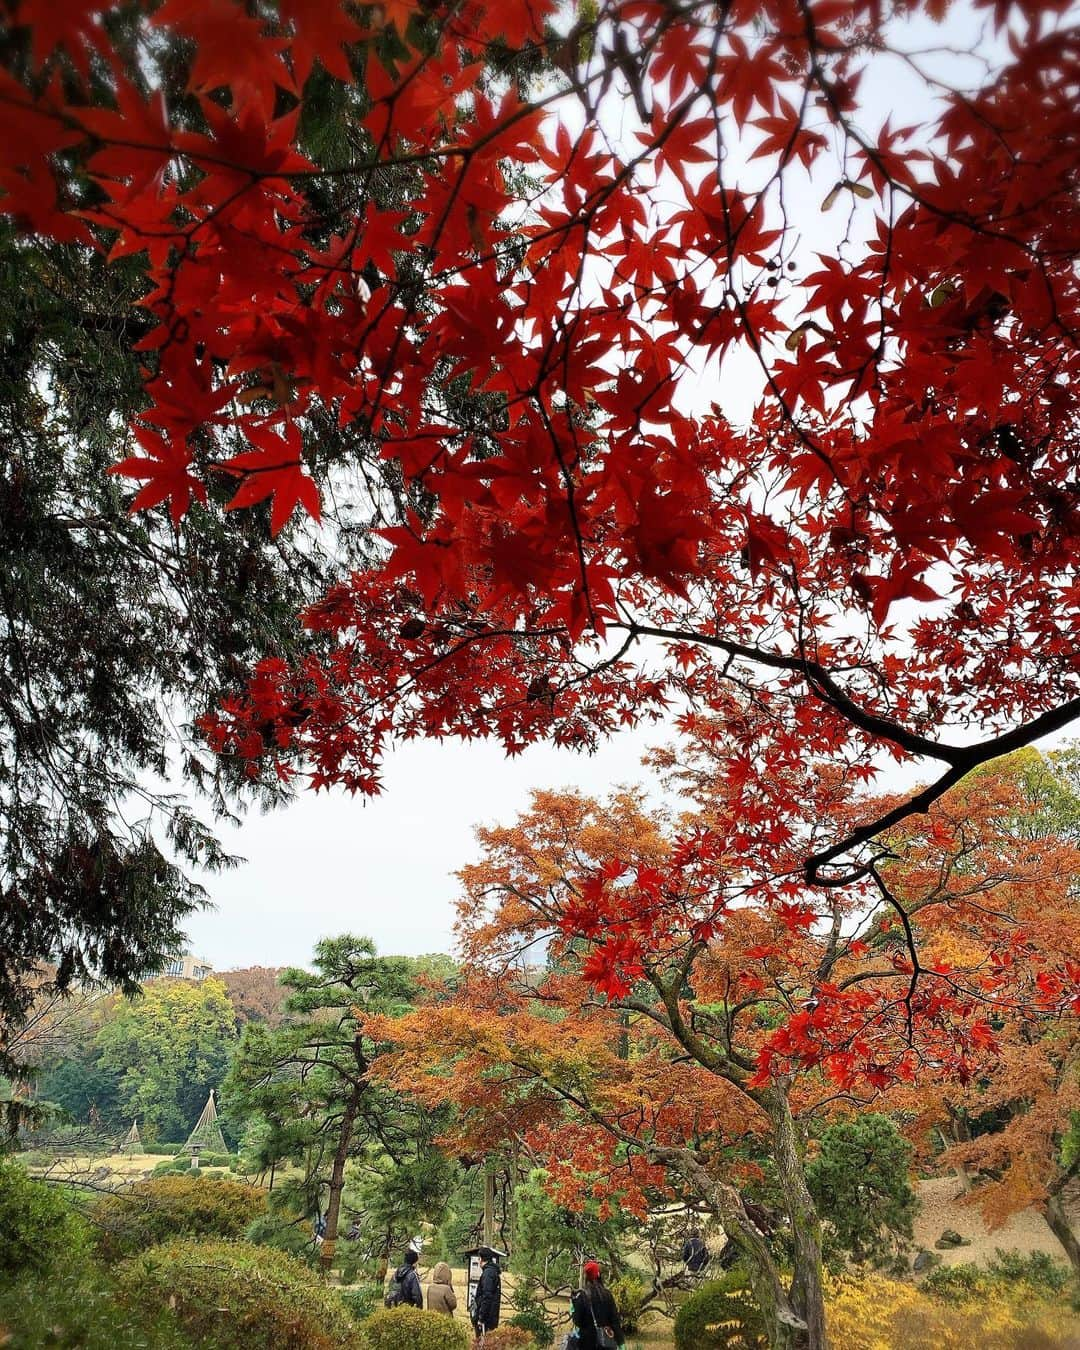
(275, 469)
(166, 470)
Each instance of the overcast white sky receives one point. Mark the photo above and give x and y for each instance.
(330, 864)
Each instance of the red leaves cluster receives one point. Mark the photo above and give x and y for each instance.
(872, 528)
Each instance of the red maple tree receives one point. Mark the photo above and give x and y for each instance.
(560, 232)
(738, 1014)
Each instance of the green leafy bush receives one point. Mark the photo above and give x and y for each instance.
(362, 1300)
(77, 1306)
(238, 1295)
(173, 1206)
(629, 1295)
(1038, 1270)
(285, 1231)
(413, 1329)
(533, 1320)
(721, 1315)
(1043, 1277)
(162, 1149)
(957, 1283)
(38, 1228)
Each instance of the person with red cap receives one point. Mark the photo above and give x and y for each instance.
(596, 1318)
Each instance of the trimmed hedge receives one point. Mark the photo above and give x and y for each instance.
(77, 1306)
(238, 1295)
(170, 1206)
(413, 1329)
(38, 1228)
(721, 1315)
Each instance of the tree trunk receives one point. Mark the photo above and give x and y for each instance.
(807, 1295)
(784, 1326)
(1061, 1228)
(489, 1203)
(337, 1181)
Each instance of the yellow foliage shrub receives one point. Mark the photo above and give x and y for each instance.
(872, 1313)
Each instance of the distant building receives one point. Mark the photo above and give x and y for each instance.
(188, 967)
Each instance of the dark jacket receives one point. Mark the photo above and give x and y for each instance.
(411, 1292)
(488, 1298)
(594, 1299)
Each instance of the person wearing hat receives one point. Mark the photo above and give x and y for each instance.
(596, 1318)
(440, 1292)
(487, 1300)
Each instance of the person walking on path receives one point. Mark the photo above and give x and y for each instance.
(440, 1292)
(405, 1288)
(488, 1298)
(596, 1318)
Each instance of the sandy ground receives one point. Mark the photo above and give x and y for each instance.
(943, 1208)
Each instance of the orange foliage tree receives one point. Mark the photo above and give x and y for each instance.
(643, 1006)
(1015, 1124)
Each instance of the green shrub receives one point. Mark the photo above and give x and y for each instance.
(173, 1206)
(629, 1295)
(721, 1315)
(238, 1295)
(533, 1320)
(1038, 1270)
(38, 1228)
(169, 1166)
(412, 1329)
(162, 1149)
(287, 1232)
(957, 1284)
(363, 1300)
(78, 1306)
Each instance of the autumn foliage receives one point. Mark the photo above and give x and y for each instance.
(712, 361)
(910, 433)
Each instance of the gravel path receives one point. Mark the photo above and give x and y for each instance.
(942, 1208)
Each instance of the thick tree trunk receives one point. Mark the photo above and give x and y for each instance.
(337, 1181)
(1062, 1229)
(785, 1327)
(807, 1294)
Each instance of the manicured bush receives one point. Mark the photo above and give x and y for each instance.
(413, 1329)
(162, 1150)
(629, 1295)
(78, 1306)
(38, 1228)
(721, 1315)
(238, 1295)
(166, 1207)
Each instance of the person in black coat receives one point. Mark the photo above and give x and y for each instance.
(593, 1307)
(487, 1300)
(408, 1282)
